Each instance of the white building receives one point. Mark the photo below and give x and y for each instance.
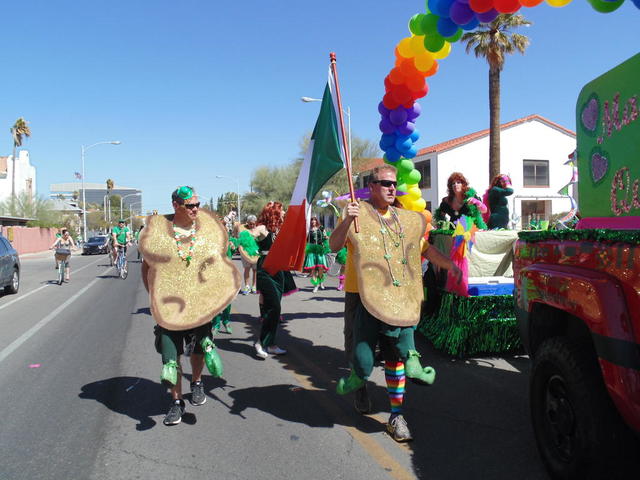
(25, 175)
(533, 152)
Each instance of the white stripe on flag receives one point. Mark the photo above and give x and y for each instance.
(300, 190)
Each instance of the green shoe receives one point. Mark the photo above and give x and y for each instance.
(415, 372)
(169, 373)
(349, 384)
(211, 357)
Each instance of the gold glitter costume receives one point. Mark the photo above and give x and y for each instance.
(185, 295)
(394, 305)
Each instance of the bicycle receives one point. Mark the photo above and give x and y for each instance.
(62, 256)
(121, 262)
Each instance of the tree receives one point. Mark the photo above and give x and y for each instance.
(19, 130)
(493, 41)
(39, 210)
(110, 184)
(227, 202)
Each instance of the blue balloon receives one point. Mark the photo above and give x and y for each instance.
(392, 155)
(446, 27)
(636, 3)
(387, 141)
(471, 25)
(412, 152)
(403, 144)
(440, 7)
(415, 136)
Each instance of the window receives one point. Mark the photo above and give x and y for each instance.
(425, 171)
(428, 207)
(366, 179)
(536, 173)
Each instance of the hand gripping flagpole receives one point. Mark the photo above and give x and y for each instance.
(345, 149)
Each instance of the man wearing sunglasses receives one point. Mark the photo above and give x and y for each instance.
(120, 236)
(190, 280)
(384, 291)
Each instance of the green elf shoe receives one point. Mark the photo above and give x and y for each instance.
(227, 327)
(415, 372)
(169, 373)
(211, 357)
(349, 384)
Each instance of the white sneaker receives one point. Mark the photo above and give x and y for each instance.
(321, 287)
(260, 351)
(276, 350)
(315, 289)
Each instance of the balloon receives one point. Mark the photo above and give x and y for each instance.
(386, 126)
(384, 111)
(471, 25)
(414, 193)
(402, 187)
(433, 70)
(430, 24)
(530, 3)
(414, 176)
(401, 94)
(488, 17)
(404, 167)
(603, 6)
(446, 27)
(414, 112)
(510, 6)
(412, 152)
(423, 62)
(389, 102)
(415, 24)
(419, 205)
(415, 136)
(392, 155)
(636, 3)
(421, 93)
(406, 129)
(403, 144)
(396, 76)
(461, 14)
(440, 7)
(406, 202)
(480, 6)
(404, 48)
(443, 52)
(417, 44)
(407, 68)
(561, 3)
(454, 38)
(398, 116)
(387, 140)
(433, 42)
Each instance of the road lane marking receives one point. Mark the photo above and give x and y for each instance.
(41, 287)
(33, 330)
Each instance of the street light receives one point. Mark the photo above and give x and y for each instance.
(122, 198)
(347, 112)
(237, 191)
(84, 198)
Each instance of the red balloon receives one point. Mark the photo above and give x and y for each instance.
(401, 94)
(481, 6)
(507, 6)
(422, 92)
(415, 83)
(389, 102)
(387, 84)
(396, 76)
(408, 68)
(530, 3)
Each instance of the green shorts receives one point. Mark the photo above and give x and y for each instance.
(171, 343)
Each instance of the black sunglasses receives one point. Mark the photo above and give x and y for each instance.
(386, 183)
(191, 206)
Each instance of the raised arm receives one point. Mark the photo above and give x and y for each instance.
(338, 238)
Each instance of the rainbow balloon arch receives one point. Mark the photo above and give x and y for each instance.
(417, 56)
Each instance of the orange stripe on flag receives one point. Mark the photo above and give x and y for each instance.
(287, 252)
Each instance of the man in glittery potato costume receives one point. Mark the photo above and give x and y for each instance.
(190, 280)
(384, 274)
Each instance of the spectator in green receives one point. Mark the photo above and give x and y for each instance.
(121, 236)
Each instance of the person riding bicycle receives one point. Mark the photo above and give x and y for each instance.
(64, 243)
(121, 236)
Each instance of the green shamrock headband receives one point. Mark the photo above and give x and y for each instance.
(184, 193)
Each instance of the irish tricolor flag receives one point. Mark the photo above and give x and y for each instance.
(323, 159)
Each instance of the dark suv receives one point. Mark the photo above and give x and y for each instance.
(9, 267)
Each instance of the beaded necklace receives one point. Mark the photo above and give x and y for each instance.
(396, 238)
(185, 256)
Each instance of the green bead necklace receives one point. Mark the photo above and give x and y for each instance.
(396, 238)
(185, 256)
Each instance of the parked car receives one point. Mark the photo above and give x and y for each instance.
(98, 244)
(9, 267)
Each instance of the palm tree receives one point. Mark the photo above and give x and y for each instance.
(19, 130)
(493, 41)
(107, 211)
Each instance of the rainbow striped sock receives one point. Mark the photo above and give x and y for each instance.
(394, 375)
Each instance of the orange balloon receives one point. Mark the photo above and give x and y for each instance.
(408, 69)
(433, 70)
(530, 3)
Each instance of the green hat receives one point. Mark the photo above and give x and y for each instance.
(121, 221)
(184, 193)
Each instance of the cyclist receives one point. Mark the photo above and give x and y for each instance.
(121, 236)
(64, 242)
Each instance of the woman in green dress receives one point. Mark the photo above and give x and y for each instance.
(315, 262)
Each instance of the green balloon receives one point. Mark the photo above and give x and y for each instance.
(404, 167)
(413, 177)
(429, 24)
(605, 7)
(402, 187)
(433, 42)
(415, 24)
(455, 37)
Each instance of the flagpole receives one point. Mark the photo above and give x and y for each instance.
(346, 151)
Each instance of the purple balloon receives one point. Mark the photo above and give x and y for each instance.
(386, 126)
(398, 116)
(461, 13)
(487, 17)
(406, 128)
(415, 111)
(471, 25)
(384, 111)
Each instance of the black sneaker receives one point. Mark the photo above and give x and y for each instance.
(197, 393)
(361, 400)
(398, 428)
(174, 415)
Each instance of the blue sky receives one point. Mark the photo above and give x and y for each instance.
(199, 88)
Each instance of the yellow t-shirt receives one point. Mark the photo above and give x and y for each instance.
(350, 272)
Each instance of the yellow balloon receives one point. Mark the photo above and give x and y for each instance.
(404, 48)
(424, 62)
(419, 205)
(414, 193)
(558, 3)
(446, 49)
(417, 44)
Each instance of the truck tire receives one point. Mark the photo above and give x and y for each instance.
(577, 429)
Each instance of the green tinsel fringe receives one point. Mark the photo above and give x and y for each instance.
(592, 235)
(341, 256)
(466, 326)
(248, 243)
(314, 248)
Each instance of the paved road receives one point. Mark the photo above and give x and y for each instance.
(82, 398)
